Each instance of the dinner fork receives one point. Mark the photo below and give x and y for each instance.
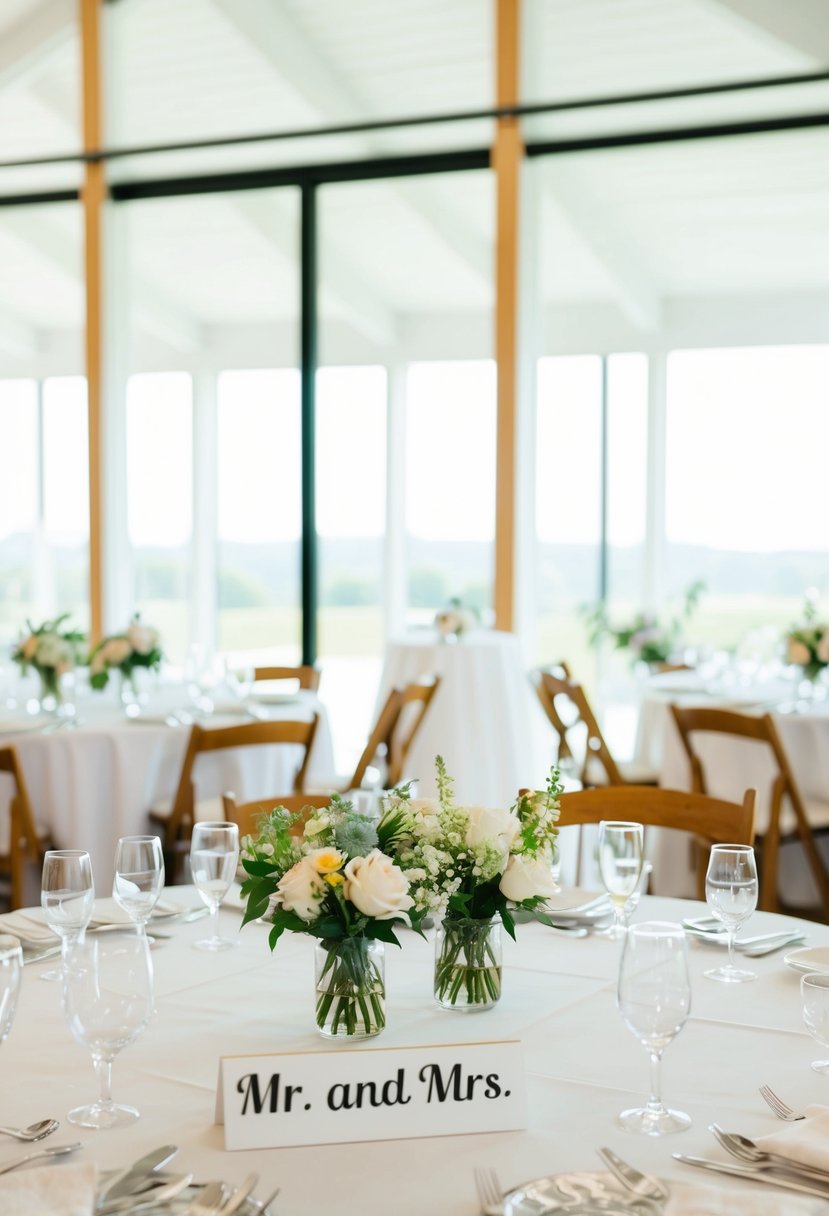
(490, 1195)
(779, 1106)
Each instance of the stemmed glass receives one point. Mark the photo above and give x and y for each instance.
(67, 896)
(214, 856)
(654, 999)
(139, 877)
(11, 970)
(814, 995)
(107, 1000)
(620, 865)
(731, 894)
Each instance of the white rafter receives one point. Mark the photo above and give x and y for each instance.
(799, 25)
(26, 44)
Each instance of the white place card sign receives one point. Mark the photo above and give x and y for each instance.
(336, 1097)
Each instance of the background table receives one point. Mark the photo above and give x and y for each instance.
(583, 1065)
(485, 719)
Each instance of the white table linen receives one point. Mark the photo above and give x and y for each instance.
(583, 1065)
(45, 1191)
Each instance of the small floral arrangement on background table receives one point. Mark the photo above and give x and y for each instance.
(647, 639)
(52, 649)
(327, 873)
(807, 644)
(454, 620)
(470, 866)
(139, 646)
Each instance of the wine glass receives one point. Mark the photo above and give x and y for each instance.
(214, 856)
(11, 971)
(731, 894)
(654, 999)
(814, 995)
(641, 887)
(139, 876)
(67, 896)
(107, 1001)
(620, 864)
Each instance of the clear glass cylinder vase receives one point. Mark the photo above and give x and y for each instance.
(350, 978)
(468, 964)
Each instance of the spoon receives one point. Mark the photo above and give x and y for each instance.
(746, 1150)
(35, 1131)
(56, 1150)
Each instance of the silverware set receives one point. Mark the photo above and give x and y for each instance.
(142, 1186)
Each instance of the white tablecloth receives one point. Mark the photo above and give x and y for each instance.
(96, 782)
(485, 719)
(583, 1066)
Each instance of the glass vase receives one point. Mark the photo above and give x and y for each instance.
(468, 964)
(350, 976)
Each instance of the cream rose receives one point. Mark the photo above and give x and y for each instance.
(491, 823)
(142, 638)
(29, 647)
(116, 650)
(526, 877)
(300, 890)
(823, 647)
(797, 652)
(377, 887)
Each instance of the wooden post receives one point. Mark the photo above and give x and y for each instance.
(506, 162)
(93, 195)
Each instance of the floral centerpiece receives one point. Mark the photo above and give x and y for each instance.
(53, 650)
(807, 644)
(647, 639)
(471, 866)
(138, 646)
(332, 878)
(455, 620)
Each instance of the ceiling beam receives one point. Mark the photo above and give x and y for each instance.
(24, 47)
(798, 25)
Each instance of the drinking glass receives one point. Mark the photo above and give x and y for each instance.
(731, 894)
(654, 999)
(620, 864)
(214, 856)
(139, 876)
(11, 971)
(107, 1001)
(814, 996)
(67, 896)
(641, 887)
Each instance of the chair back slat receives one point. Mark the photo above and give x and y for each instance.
(25, 844)
(308, 676)
(247, 814)
(555, 685)
(392, 735)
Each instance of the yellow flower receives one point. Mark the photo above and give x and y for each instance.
(326, 861)
(334, 880)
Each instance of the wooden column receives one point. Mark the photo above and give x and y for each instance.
(506, 162)
(93, 195)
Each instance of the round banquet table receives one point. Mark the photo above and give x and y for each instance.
(484, 719)
(95, 782)
(582, 1065)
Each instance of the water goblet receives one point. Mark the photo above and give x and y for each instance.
(654, 999)
(214, 856)
(641, 887)
(620, 865)
(814, 996)
(67, 896)
(731, 894)
(107, 1001)
(139, 877)
(11, 971)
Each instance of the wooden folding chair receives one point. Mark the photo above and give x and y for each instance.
(27, 841)
(786, 820)
(394, 732)
(176, 825)
(598, 766)
(308, 677)
(246, 814)
(711, 820)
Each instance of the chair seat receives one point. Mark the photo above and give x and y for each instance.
(208, 810)
(633, 771)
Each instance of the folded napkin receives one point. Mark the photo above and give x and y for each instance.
(806, 1141)
(49, 1190)
(108, 912)
(29, 924)
(689, 1200)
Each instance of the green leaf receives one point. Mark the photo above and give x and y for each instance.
(258, 868)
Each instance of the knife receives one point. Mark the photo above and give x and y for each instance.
(126, 1183)
(644, 1185)
(753, 1175)
(239, 1196)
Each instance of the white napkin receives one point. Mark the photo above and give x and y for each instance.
(806, 1141)
(29, 925)
(689, 1200)
(49, 1190)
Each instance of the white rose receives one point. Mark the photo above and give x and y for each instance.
(491, 823)
(116, 650)
(142, 638)
(300, 890)
(315, 825)
(797, 652)
(448, 622)
(377, 887)
(29, 647)
(526, 877)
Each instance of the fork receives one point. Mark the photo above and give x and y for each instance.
(779, 1106)
(490, 1195)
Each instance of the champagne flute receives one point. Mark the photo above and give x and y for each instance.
(620, 865)
(107, 1001)
(67, 896)
(214, 856)
(654, 999)
(814, 995)
(11, 971)
(731, 894)
(139, 877)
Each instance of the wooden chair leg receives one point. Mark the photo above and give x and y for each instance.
(816, 865)
(768, 900)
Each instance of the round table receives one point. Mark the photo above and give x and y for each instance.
(583, 1066)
